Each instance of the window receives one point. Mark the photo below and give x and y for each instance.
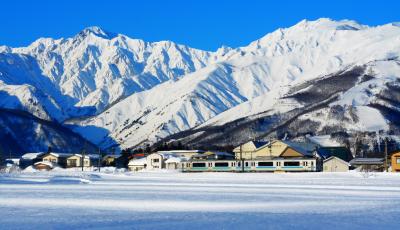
(156, 160)
(291, 163)
(247, 164)
(239, 164)
(278, 163)
(198, 165)
(305, 163)
(221, 164)
(312, 163)
(269, 163)
(398, 160)
(72, 163)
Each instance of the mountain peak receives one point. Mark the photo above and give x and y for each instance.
(329, 24)
(97, 31)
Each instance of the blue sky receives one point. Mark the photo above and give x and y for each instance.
(204, 24)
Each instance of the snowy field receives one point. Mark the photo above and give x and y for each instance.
(172, 200)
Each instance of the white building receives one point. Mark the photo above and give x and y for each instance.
(157, 160)
(175, 163)
(137, 164)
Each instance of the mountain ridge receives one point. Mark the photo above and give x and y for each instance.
(117, 91)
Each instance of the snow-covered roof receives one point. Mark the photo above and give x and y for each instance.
(166, 155)
(60, 154)
(137, 162)
(13, 160)
(31, 156)
(175, 160)
(48, 163)
(367, 161)
(333, 157)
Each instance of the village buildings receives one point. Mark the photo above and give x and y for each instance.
(254, 156)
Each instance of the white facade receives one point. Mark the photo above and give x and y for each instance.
(137, 164)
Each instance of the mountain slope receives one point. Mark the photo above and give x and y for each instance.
(250, 80)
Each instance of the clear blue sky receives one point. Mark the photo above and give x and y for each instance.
(204, 24)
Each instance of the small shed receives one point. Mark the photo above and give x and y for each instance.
(137, 164)
(395, 160)
(335, 164)
(368, 164)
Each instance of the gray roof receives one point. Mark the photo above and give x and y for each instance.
(367, 161)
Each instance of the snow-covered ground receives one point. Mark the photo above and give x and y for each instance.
(172, 200)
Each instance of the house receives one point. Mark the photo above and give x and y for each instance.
(335, 164)
(137, 164)
(75, 160)
(157, 160)
(50, 157)
(368, 164)
(395, 160)
(276, 148)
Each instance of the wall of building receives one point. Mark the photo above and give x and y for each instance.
(50, 158)
(395, 160)
(155, 161)
(335, 165)
(249, 151)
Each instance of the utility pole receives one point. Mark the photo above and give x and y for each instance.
(386, 155)
(83, 156)
(241, 158)
(98, 160)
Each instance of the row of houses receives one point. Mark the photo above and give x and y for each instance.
(51, 160)
(274, 155)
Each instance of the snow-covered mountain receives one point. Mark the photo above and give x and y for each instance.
(118, 91)
(252, 80)
(95, 69)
